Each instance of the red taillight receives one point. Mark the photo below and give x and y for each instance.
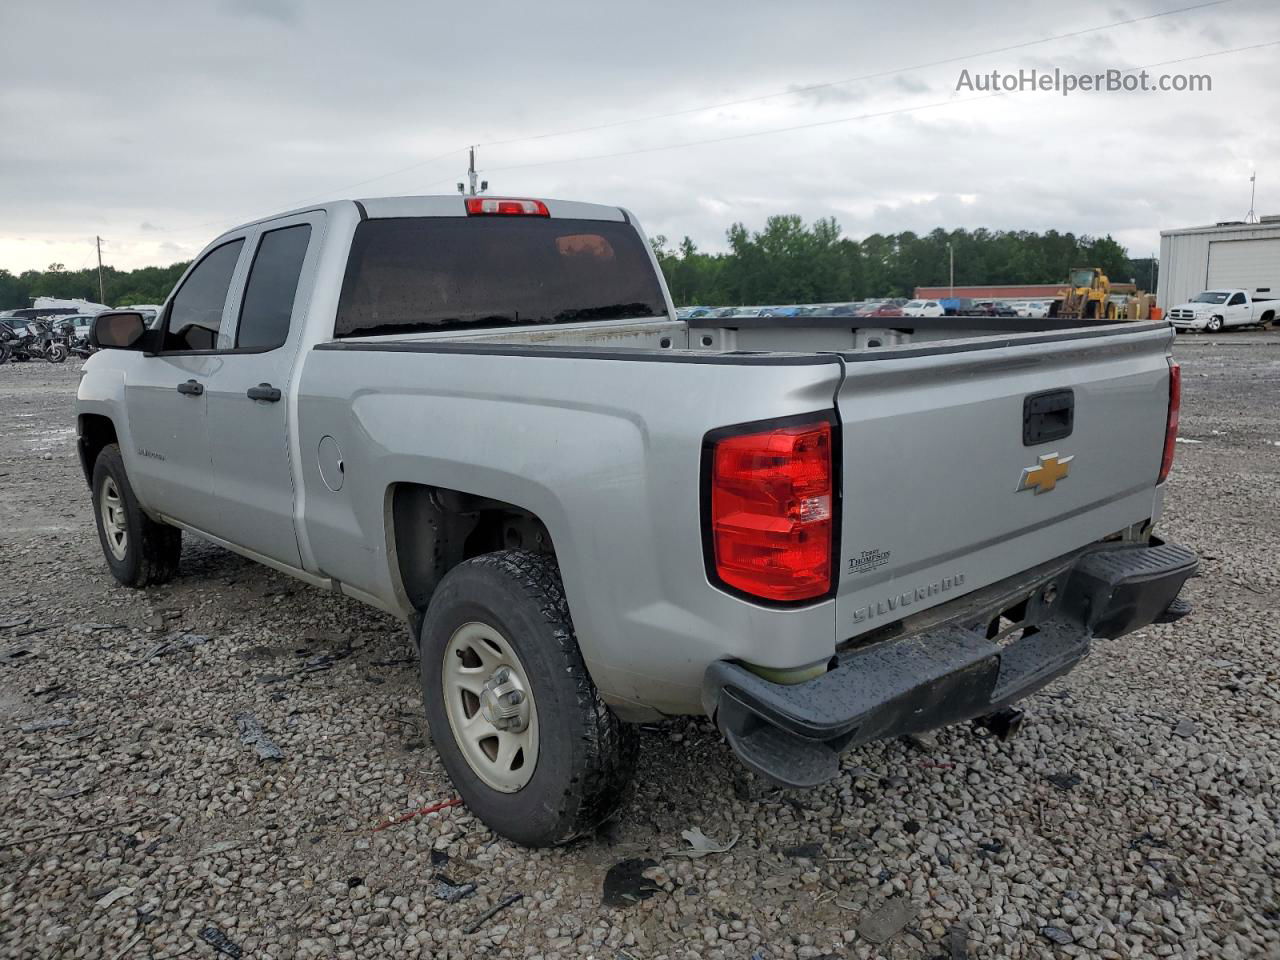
(771, 508)
(1171, 425)
(502, 206)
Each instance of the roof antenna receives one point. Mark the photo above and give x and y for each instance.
(1252, 217)
(473, 178)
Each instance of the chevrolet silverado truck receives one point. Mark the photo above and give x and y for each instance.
(1214, 310)
(483, 416)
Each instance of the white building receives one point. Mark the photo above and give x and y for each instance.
(1244, 255)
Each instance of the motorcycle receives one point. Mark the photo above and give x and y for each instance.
(76, 343)
(40, 343)
(8, 342)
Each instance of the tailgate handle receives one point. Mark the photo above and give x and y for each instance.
(1047, 416)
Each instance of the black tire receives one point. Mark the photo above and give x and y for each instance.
(586, 756)
(151, 549)
(57, 353)
(1214, 325)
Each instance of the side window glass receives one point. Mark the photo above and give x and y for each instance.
(1236, 300)
(196, 312)
(272, 286)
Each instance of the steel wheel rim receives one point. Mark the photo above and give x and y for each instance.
(490, 706)
(114, 525)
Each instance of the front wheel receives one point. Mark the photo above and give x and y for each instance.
(57, 353)
(527, 740)
(139, 550)
(1214, 324)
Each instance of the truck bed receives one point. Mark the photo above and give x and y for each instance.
(763, 335)
(933, 448)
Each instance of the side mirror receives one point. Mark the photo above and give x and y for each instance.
(120, 330)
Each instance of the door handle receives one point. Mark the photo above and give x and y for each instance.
(263, 391)
(192, 388)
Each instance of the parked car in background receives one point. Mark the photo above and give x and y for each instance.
(1215, 310)
(1033, 308)
(885, 309)
(991, 308)
(922, 308)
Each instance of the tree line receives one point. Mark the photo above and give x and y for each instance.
(144, 285)
(788, 261)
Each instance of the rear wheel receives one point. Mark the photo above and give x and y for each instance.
(139, 550)
(530, 745)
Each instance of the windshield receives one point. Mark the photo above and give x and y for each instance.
(1082, 277)
(420, 274)
(914, 303)
(1211, 296)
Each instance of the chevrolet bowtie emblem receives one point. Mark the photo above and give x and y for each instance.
(1045, 475)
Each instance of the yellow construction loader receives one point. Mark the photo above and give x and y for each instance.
(1087, 297)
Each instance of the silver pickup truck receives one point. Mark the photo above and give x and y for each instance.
(482, 415)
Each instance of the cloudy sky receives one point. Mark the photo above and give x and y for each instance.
(157, 125)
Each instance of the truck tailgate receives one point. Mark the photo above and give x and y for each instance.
(945, 488)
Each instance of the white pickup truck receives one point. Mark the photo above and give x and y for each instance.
(484, 416)
(1216, 310)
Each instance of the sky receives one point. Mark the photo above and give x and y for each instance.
(157, 126)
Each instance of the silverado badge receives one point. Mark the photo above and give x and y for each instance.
(1044, 476)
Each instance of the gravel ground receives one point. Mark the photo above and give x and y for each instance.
(1136, 815)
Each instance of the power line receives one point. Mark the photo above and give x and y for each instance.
(825, 85)
(685, 112)
(746, 100)
(862, 116)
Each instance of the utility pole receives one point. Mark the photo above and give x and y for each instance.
(951, 254)
(473, 178)
(1252, 217)
(102, 293)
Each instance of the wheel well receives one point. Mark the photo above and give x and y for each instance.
(434, 529)
(96, 432)
(1268, 316)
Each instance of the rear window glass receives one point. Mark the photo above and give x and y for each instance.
(456, 273)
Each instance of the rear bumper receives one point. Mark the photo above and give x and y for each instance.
(794, 734)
